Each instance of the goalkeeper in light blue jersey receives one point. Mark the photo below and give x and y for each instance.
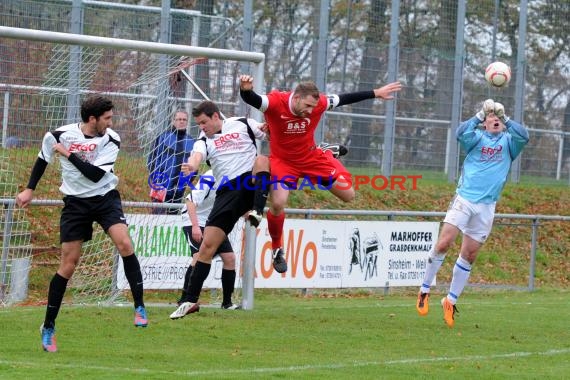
(490, 153)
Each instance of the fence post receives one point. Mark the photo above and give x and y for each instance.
(559, 158)
(452, 149)
(518, 113)
(534, 234)
(305, 291)
(5, 120)
(9, 212)
(248, 265)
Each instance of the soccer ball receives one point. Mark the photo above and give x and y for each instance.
(498, 74)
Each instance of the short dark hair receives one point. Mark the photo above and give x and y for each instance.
(96, 106)
(207, 108)
(307, 88)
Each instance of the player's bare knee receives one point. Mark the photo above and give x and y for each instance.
(261, 164)
(229, 260)
(124, 246)
(67, 267)
(344, 195)
(442, 246)
(469, 254)
(276, 209)
(207, 250)
(348, 196)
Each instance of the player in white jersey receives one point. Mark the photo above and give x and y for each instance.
(195, 213)
(490, 153)
(87, 153)
(243, 184)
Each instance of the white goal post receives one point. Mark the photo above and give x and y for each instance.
(151, 47)
(73, 71)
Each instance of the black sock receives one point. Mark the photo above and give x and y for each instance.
(184, 296)
(57, 287)
(262, 185)
(197, 278)
(134, 277)
(228, 283)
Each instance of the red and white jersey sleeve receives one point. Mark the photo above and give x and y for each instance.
(100, 151)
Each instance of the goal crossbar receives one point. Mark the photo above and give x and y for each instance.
(121, 44)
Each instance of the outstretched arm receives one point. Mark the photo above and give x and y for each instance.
(246, 91)
(385, 92)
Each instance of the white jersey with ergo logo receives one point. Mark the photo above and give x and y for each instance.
(232, 151)
(100, 151)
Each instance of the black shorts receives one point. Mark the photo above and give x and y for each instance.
(226, 246)
(78, 215)
(232, 201)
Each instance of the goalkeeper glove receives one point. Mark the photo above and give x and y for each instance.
(488, 107)
(500, 112)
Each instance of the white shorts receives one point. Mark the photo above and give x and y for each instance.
(473, 219)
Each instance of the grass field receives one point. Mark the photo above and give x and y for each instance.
(497, 335)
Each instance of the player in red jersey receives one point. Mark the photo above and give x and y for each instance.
(292, 118)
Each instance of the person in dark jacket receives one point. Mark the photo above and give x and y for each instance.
(171, 148)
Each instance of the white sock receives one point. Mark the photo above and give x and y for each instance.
(461, 272)
(434, 263)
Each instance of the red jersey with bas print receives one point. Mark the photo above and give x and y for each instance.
(291, 136)
(293, 152)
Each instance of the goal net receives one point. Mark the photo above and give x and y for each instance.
(147, 88)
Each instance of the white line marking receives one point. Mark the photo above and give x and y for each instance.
(355, 364)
